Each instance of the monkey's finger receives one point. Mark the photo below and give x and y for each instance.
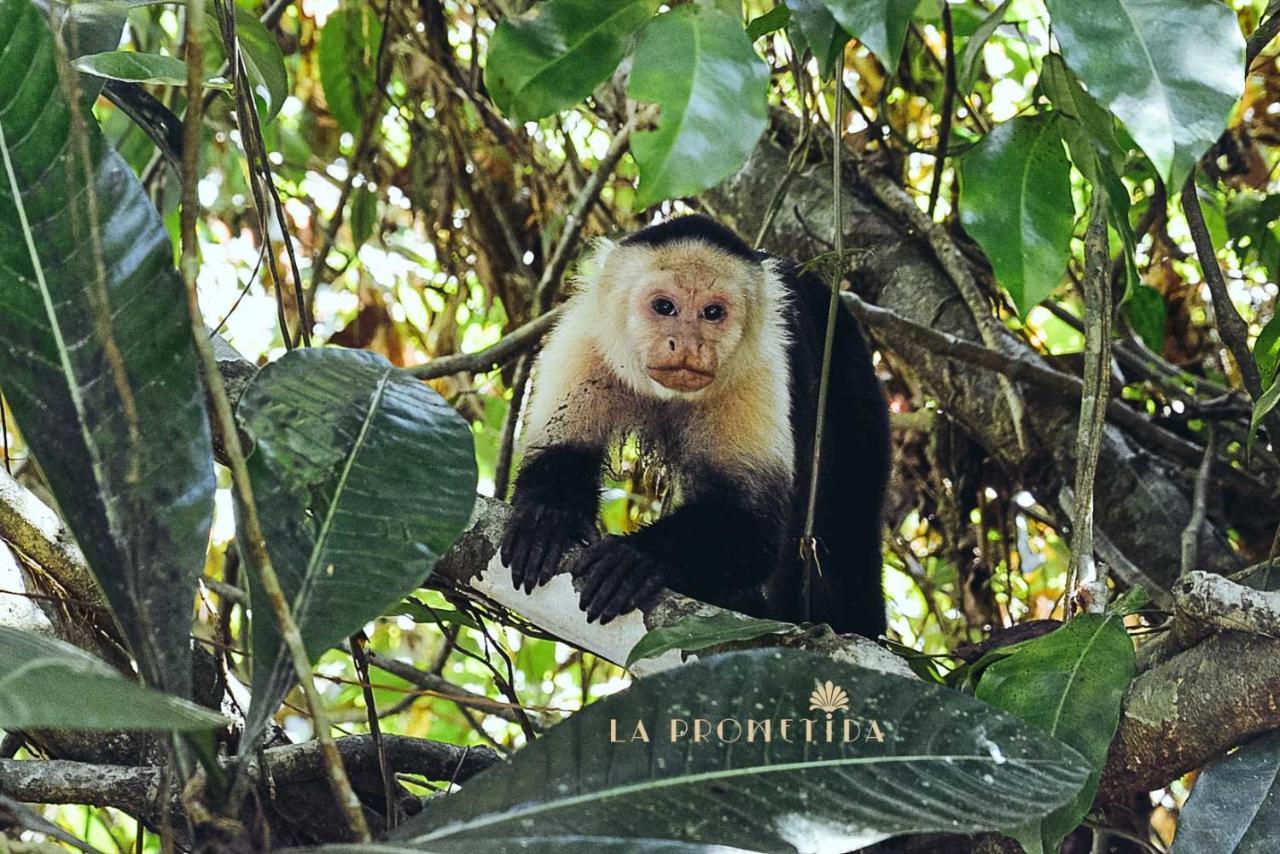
(533, 562)
(620, 601)
(607, 591)
(551, 563)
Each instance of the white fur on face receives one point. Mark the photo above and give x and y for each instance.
(592, 379)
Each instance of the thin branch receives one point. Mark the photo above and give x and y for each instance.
(252, 538)
(948, 107)
(808, 543)
(1087, 580)
(436, 685)
(361, 662)
(1191, 534)
(512, 344)
(1231, 326)
(1263, 35)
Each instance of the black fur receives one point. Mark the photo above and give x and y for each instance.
(735, 539)
(698, 228)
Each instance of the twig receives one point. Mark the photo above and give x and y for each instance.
(1262, 36)
(361, 662)
(808, 543)
(512, 344)
(252, 537)
(948, 105)
(1086, 578)
(16, 814)
(1191, 534)
(1231, 326)
(435, 685)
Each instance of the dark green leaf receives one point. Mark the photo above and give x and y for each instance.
(1131, 601)
(1069, 683)
(363, 477)
(1146, 312)
(698, 632)
(1266, 350)
(1261, 407)
(771, 21)
(347, 52)
(699, 66)
(947, 762)
(568, 843)
(364, 214)
(137, 67)
(881, 25)
(87, 28)
(1235, 805)
(96, 355)
(45, 683)
(1016, 202)
(817, 29)
(555, 54)
(263, 61)
(970, 64)
(1171, 70)
(420, 612)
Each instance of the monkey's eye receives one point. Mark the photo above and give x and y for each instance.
(713, 312)
(664, 307)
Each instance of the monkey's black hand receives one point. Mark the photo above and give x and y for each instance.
(536, 539)
(618, 578)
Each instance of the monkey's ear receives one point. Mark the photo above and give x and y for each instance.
(592, 265)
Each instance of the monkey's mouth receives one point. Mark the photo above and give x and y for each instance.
(680, 377)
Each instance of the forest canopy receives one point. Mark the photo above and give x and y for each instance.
(272, 280)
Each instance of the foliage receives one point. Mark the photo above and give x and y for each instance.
(1233, 807)
(426, 156)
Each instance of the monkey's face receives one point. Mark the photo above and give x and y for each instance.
(688, 321)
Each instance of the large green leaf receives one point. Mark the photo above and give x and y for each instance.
(881, 25)
(1169, 69)
(347, 55)
(812, 26)
(697, 63)
(47, 683)
(1266, 350)
(1016, 202)
(555, 54)
(1235, 805)
(363, 477)
(1069, 683)
(96, 354)
(89, 28)
(946, 763)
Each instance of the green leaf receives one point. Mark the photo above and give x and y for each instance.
(771, 21)
(264, 62)
(1069, 683)
(698, 632)
(87, 28)
(881, 25)
(363, 477)
(698, 64)
(1131, 601)
(347, 53)
(1266, 350)
(137, 67)
(1171, 70)
(423, 613)
(1235, 805)
(1016, 202)
(1146, 312)
(364, 214)
(817, 30)
(97, 359)
(971, 57)
(1261, 407)
(50, 684)
(984, 768)
(555, 54)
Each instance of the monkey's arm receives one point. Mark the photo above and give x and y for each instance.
(555, 505)
(723, 541)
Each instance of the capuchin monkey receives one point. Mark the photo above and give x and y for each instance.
(711, 355)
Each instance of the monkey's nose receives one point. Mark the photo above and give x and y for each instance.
(671, 344)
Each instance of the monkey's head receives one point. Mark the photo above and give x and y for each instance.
(688, 308)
